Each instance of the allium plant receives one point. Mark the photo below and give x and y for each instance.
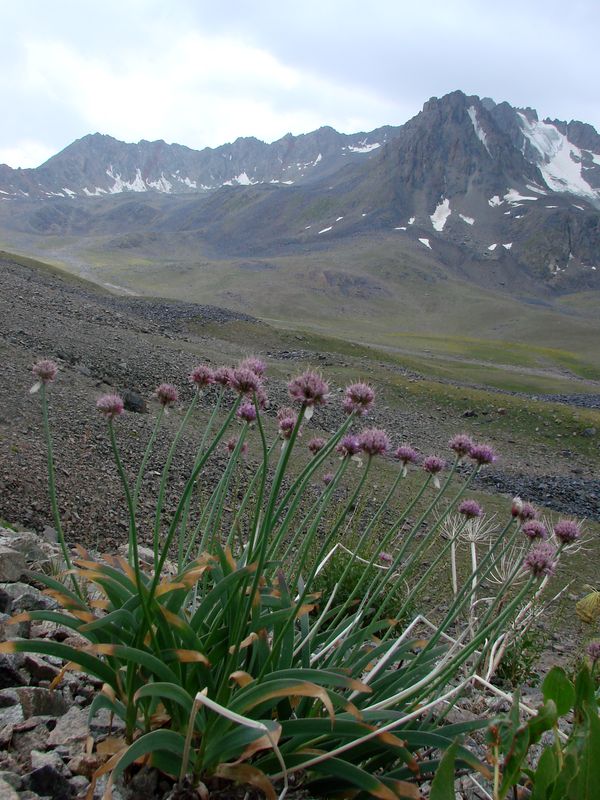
(221, 658)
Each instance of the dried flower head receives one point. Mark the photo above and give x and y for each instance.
(374, 441)
(110, 405)
(202, 376)
(348, 446)
(309, 389)
(223, 376)
(470, 509)
(541, 560)
(567, 531)
(358, 399)
(461, 444)
(167, 395)
(45, 370)
(516, 507)
(483, 454)
(534, 529)
(255, 364)
(244, 380)
(247, 412)
(316, 444)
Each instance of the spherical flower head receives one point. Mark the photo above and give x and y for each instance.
(461, 444)
(223, 376)
(470, 509)
(482, 454)
(593, 651)
(247, 412)
(167, 394)
(534, 529)
(202, 376)
(244, 381)
(45, 370)
(255, 364)
(433, 465)
(567, 531)
(231, 444)
(327, 478)
(261, 398)
(287, 425)
(527, 512)
(358, 399)
(540, 560)
(349, 446)
(309, 389)
(374, 441)
(385, 557)
(407, 454)
(110, 405)
(316, 444)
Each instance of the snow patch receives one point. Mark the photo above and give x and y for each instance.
(119, 185)
(363, 147)
(338, 219)
(401, 228)
(326, 229)
(513, 197)
(317, 159)
(70, 192)
(307, 227)
(507, 246)
(161, 185)
(495, 201)
(440, 215)
(535, 189)
(189, 182)
(551, 206)
(96, 193)
(411, 220)
(468, 220)
(425, 242)
(492, 247)
(560, 162)
(581, 208)
(481, 135)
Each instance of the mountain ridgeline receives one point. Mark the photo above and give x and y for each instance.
(465, 182)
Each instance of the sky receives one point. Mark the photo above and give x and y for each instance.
(202, 73)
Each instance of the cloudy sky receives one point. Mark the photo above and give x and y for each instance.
(202, 73)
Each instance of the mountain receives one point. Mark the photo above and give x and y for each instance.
(476, 191)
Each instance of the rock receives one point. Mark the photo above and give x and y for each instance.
(49, 759)
(10, 670)
(28, 598)
(12, 564)
(32, 734)
(39, 668)
(49, 782)
(11, 778)
(84, 764)
(589, 433)
(7, 791)
(134, 402)
(28, 544)
(9, 697)
(13, 715)
(50, 534)
(469, 413)
(71, 729)
(37, 701)
(5, 602)
(8, 630)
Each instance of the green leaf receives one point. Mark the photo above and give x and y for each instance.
(585, 696)
(348, 773)
(170, 691)
(442, 787)
(160, 740)
(545, 774)
(545, 719)
(87, 662)
(588, 778)
(514, 761)
(558, 687)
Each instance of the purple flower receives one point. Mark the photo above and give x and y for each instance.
(433, 465)
(255, 364)
(461, 444)
(202, 376)
(482, 454)
(45, 370)
(385, 557)
(247, 412)
(110, 405)
(244, 380)
(327, 478)
(261, 398)
(534, 529)
(359, 398)
(540, 560)
(374, 441)
(167, 394)
(287, 421)
(223, 376)
(316, 444)
(231, 444)
(593, 651)
(309, 389)
(567, 531)
(349, 446)
(527, 512)
(407, 454)
(470, 509)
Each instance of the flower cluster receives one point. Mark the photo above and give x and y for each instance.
(358, 399)
(202, 376)
(541, 560)
(309, 389)
(534, 529)
(374, 442)
(349, 446)
(470, 509)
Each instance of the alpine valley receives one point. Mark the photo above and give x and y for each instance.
(474, 220)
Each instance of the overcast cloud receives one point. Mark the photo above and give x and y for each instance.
(203, 73)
